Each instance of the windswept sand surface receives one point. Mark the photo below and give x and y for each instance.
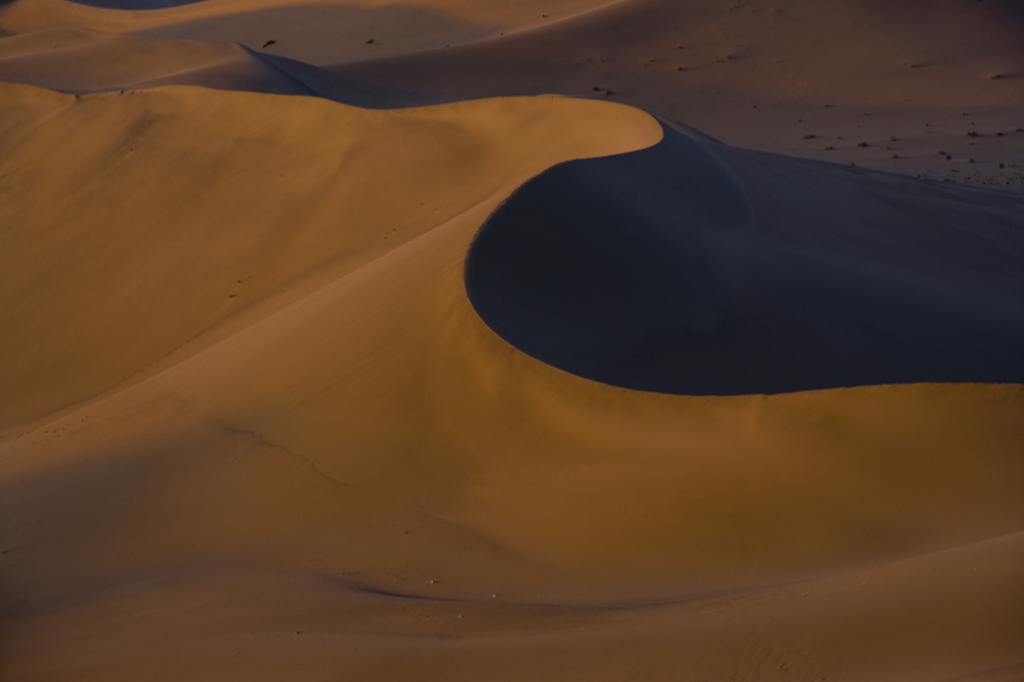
(311, 377)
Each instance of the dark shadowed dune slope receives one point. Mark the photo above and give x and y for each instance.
(700, 269)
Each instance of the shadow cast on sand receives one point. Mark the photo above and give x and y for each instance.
(697, 269)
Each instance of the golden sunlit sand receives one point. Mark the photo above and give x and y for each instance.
(356, 373)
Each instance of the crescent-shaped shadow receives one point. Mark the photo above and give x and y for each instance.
(694, 268)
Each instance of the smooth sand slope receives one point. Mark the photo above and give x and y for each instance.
(328, 465)
(296, 389)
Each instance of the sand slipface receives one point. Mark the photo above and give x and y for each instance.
(648, 270)
(312, 378)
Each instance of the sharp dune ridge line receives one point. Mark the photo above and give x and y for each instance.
(311, 377)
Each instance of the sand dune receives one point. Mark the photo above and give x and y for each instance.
(308, 377)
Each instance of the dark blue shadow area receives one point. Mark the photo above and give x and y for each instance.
(693, 268)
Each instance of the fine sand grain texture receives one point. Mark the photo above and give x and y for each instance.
(336, 374)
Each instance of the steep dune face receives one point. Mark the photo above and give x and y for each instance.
(835, 278)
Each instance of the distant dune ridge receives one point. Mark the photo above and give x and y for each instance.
(765, 75)
(49, 57)
(307, 377)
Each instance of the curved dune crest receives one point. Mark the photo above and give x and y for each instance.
(305, 186)
(648, 270)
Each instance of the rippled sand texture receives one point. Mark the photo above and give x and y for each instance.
(309, 377)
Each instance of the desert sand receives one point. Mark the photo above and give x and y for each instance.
(329, 359)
